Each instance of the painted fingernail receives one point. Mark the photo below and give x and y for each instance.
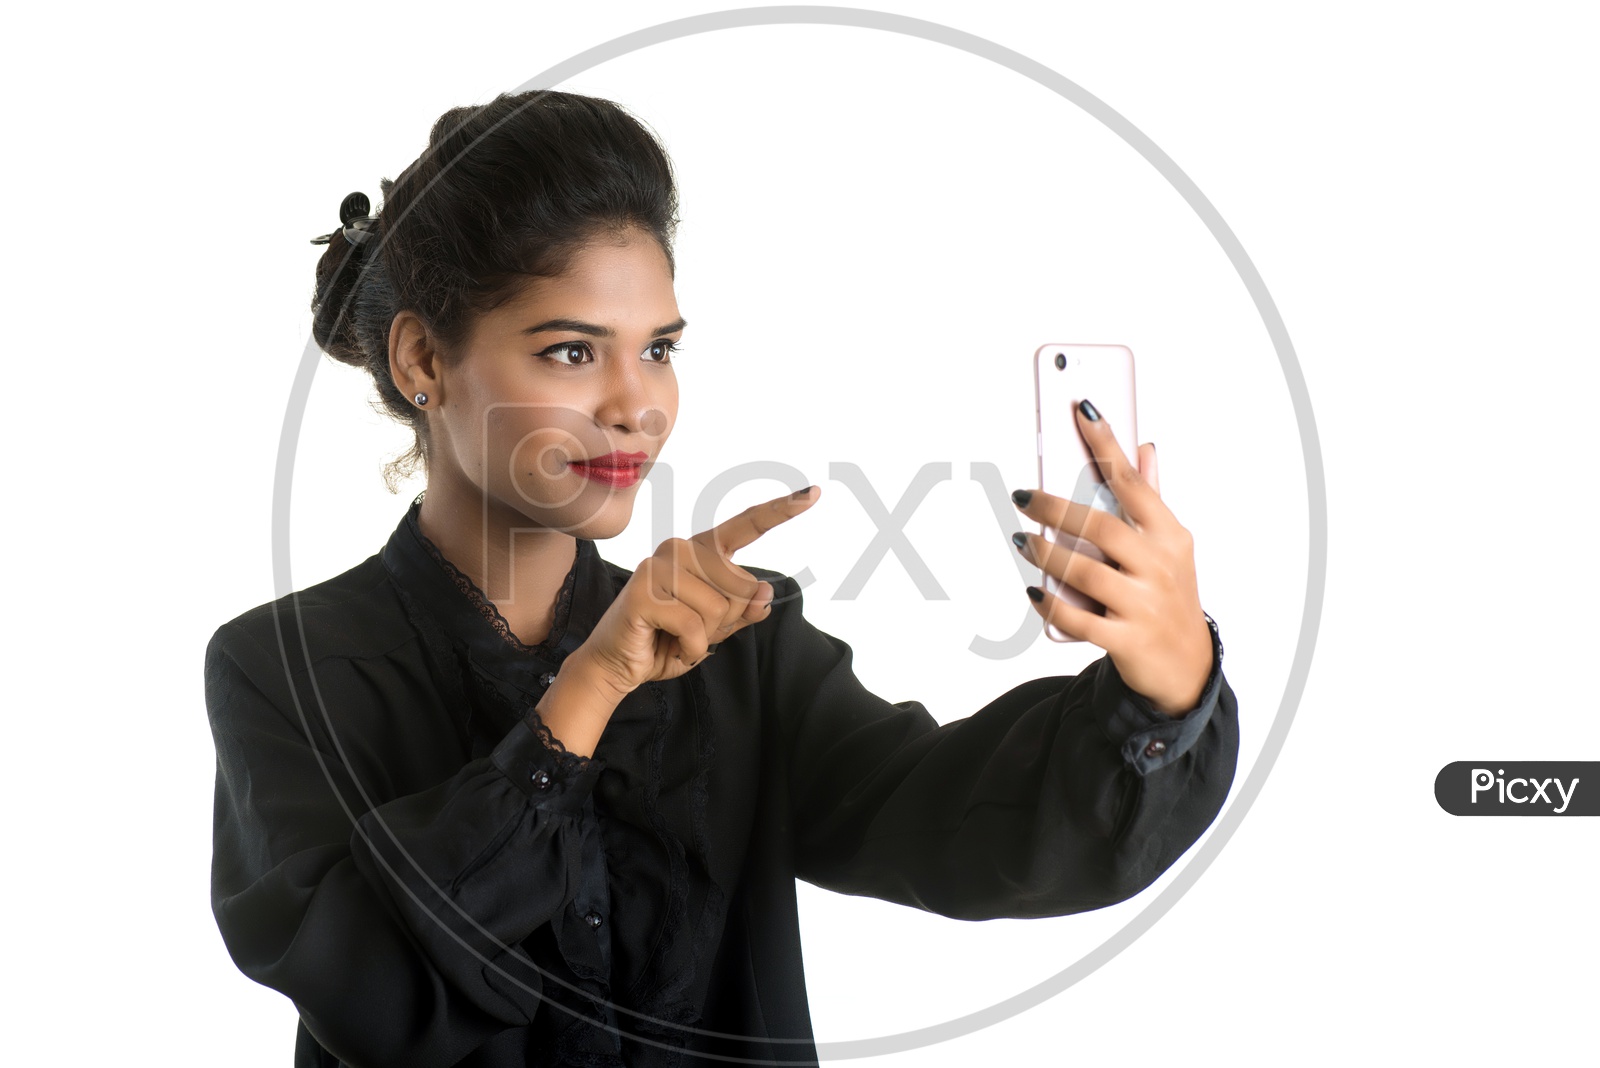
(1020, 540)
(1022, 497)
(711, 650)
(799, 494)
(1035, 594)
(1088, 411)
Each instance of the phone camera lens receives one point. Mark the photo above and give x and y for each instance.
(1061, 361)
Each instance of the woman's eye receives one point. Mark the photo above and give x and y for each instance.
(661, 351)
(576, 350)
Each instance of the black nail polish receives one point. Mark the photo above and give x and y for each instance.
(1088, 411)
(1035, 594)
(797, 494)
(711, 650)
(1020, 539)
(1022, 497)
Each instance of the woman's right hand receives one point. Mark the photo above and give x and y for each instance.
(684, 599)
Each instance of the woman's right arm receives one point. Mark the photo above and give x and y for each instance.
(394, 927)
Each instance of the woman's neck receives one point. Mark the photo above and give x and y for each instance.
(518, 566)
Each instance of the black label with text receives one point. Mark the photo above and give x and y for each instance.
(1519, 788)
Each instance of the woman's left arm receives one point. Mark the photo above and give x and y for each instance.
(1064, 794)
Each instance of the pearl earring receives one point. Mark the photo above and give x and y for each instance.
(421, 399)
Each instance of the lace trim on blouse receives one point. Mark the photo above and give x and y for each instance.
(549, 648)
(566, 762)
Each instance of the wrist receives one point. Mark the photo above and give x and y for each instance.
(577, 705)
(587, 674)
(1177, 704)
(1175, 707)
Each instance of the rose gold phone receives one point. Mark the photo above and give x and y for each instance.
(1062, 376)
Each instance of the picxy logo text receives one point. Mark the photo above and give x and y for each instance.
(1533, 790)
(1518, 788)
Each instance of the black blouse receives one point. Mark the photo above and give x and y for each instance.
(403, 850)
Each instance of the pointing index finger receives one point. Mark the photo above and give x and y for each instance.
(733, 534)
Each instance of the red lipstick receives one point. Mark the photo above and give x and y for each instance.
(612, 469)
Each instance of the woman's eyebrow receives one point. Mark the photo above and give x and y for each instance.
(578, 326)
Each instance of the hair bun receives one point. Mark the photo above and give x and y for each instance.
(353, 207)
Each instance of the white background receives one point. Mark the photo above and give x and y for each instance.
(877, 232)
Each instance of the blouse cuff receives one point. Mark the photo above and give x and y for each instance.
(540, 766)
(1153, 739)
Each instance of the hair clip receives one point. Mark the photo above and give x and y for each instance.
(354, 220)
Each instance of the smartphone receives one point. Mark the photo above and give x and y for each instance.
(1062, 376)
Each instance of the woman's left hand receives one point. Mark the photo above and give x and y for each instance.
(1154, 628)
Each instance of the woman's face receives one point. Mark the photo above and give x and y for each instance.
(574, 368)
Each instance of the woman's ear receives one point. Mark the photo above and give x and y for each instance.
(414, 361)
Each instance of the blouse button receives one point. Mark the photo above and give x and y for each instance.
(541, 779)
(548, 677)
(593, 919)
(1155, 748)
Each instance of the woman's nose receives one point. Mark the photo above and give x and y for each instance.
(625, 401)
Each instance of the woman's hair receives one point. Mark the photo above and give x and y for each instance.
(504, 192)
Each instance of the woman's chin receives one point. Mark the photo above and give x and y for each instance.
(607, 521)
(600, 531)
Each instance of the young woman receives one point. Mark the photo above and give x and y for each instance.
(489, 799)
